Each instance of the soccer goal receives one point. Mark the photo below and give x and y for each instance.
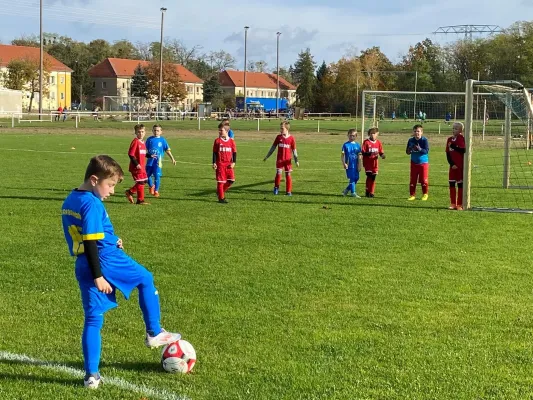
(498, 174)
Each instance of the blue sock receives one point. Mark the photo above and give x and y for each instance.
(352, 187)
(91, 342)
(149, 303)
(348, 188)
(157, 179)
(150, 181)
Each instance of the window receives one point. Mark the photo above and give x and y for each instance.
(104, 85)
(189, 89)
(62, 96)
(53, 95)
(123, 85)
(197, 89)
(62, 79)
(52, 80)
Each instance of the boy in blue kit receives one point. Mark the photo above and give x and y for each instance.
(226, 122)
(156, 147)
(350, 158)
(418, 149)
(102, 266)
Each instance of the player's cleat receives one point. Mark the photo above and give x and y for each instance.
(142, 203)
(288, 194)
(425, 197)
(411, 198)
(345, 192)
(367, 194)
(91, 381)
(162, 339)
(371, 195)
(459, 208)
(223, 201)
(276, 190)
(356, 195)
(152, 190)
(156, 194)
(129, 196)
(452, 207)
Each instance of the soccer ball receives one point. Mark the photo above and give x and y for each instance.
(178, 357)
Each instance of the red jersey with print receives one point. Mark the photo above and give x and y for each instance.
(370, 162)
(457, 157)
(224, 149)
(285, 147)
(137, 150)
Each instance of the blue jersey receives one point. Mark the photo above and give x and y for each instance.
(231, 134)
(156, 146)
(419, 156)
(351, 153)
(84, 217)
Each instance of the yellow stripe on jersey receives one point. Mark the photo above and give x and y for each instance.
(94, 236)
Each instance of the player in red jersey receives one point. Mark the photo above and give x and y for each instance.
(371, 150)
(224, 159)
(137, 154)
(455, 153)
(286, 150)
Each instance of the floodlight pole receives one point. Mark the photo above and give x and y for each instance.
(416, 84)
(245, 61)
(163, 9)
(41, 59)
(277, 73)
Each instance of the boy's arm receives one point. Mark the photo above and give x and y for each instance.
(270, 152)
(408, 149)
(359, 162)
(295, 155)
(424, 148)
(458, 149)
(449, 158)
(381, 153)
(91, 252)
(343, 160)
(171, 156)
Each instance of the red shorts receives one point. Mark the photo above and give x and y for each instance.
(455, 175)
(139, 175)
(224, 173)
(370, 165)
(285, 165)
(420, 173)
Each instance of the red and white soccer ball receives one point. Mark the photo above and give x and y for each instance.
(178, 357)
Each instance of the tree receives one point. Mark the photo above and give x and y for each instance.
(323, 88)
(125, 49)
(212, 89)
(304, 74)
(139, 83)
(173, 89)
(257, 66)
(24, 75)
(29, 41)
(99, 50)
(220, 60)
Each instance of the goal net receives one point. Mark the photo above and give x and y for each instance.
(498, 172)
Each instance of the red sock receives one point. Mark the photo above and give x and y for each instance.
(372, 186)
(133, 189)
(277, 180)
(460, 196)
(140, 192)
(368, 185)
(288, 181)
(227, 185)
(425, 188)
(453, 195)
(220, 190)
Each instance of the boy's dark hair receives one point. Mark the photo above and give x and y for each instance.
(286, 124)
(104, 167)
(222, 125)
(156, 126)
(350, 131)
(372, 131)
(418, 126)
(138, 127)
(225, 121)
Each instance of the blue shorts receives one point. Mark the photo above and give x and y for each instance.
(352, 174)
(120, 270)
(154, 170)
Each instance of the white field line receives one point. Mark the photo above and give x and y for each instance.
(160, 394)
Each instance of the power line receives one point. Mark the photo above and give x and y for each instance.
(468, 30)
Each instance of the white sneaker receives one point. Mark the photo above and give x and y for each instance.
(92, 382)
(356, 195)
(162, 339)
(344, 192)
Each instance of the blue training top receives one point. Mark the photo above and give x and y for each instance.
(231, 134)
(84, 217)
(351, 152)
(419, 156)
(156, 146)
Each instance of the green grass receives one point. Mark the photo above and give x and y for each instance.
(317, 296)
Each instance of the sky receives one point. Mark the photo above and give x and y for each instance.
(331, 29)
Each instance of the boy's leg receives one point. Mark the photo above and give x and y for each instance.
(372, 183)
(453, 195)
(424, 177)
(288, 182)
(460, 194)
(140, 191)
(413, 177)
(149, 304)
(157, 182)
(220, 190)
(91, 341)
(277, 178)
(230, 178)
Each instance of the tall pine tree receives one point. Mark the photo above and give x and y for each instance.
(304, 74)
(139, 83)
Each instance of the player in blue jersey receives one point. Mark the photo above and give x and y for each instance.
(418, 149)
(156, 147)
(102, 266)
(351, 161)
(226, 122)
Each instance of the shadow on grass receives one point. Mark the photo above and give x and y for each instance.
(133, 366)
(74, 382)
(34, 198)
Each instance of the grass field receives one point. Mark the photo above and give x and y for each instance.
(317, 296)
